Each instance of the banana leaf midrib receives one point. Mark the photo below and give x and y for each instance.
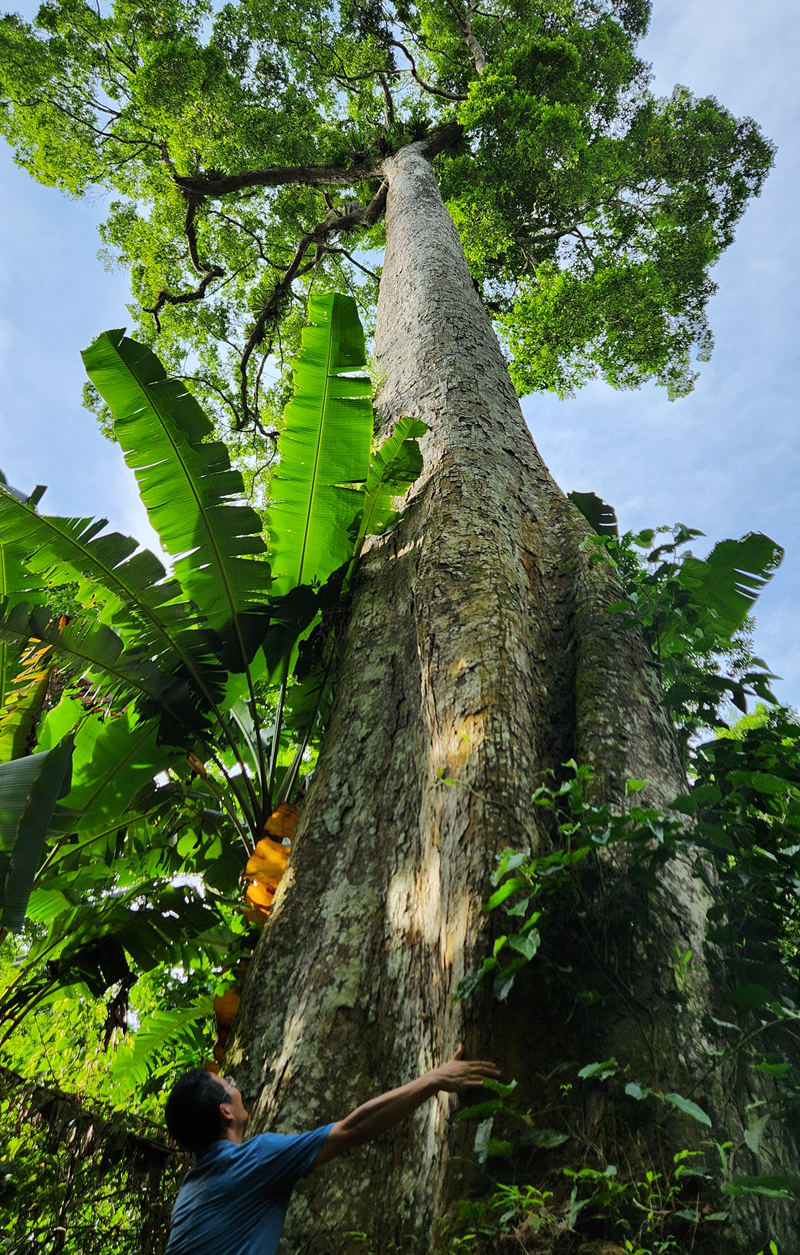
(143, 608)
(148, 390)
(317, 455)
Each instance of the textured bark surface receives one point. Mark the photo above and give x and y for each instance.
(478, 647)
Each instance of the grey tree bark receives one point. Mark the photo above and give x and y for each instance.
(479, 647)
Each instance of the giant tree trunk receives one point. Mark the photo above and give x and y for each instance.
(478, 648)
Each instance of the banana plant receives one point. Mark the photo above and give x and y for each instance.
(143, 736)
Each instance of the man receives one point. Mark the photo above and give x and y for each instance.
(233, 1200)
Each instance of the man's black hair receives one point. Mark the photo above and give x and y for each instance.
(192, 1109)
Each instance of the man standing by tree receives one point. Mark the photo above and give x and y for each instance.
(235, 1197)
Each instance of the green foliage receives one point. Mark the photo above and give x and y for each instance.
(395, 466)
(738, 828)
(187, 485)
(324, 447)
(141, 774)
(29, 791)
(692, 612)
(75, 1150)
(743, 842)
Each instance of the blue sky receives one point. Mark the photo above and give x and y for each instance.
(725, 460)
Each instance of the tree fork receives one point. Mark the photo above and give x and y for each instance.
(479, 648)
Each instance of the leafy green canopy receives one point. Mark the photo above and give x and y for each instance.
(244, 144)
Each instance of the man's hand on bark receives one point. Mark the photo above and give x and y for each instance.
(460, 1073)
(387, 1110)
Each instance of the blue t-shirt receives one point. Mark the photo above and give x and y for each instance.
(233, 1199)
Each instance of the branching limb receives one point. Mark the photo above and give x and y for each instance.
(465, 22)
(428, 87)
(372, 274)
(207, 272)
(441, 138)
(333, 223)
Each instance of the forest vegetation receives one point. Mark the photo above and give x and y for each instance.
(393, 745)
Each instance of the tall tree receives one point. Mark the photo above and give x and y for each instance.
(520, 172)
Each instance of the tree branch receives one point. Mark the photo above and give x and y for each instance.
(332, 224)
(478, 55)
(428, 87)
(207, 272)
(438, 141)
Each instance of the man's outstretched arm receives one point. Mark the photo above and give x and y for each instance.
(387, 1110)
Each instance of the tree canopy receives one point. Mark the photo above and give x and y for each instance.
(244, 145)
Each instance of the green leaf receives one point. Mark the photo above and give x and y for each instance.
(469, 983)
(114, 758)
(480, 1110)
(543, 1139)
(324, 446)
(690, 1108)
(782, 1186)
(59, 720)
(186, 483)
(727, 584)
(600, 516)
(637, 1091)
(131, 584)
(498, 1087)
(29, 790)
(526, 943)
(764, 782)
(153, 1037)
(504, 979)
(505, 891)
(750, 995)
(601, 1070)
(123, 674)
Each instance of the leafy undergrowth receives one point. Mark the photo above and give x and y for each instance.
(543, 1185)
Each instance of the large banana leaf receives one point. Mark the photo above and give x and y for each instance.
(325, 445)
(29, 790)
(25, 700)
(140, 602)
(727, 584)
(122, 674)
(17, 584)
(597, 512)
(186, 482)
(114, 758)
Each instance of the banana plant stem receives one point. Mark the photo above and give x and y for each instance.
(276, 734)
